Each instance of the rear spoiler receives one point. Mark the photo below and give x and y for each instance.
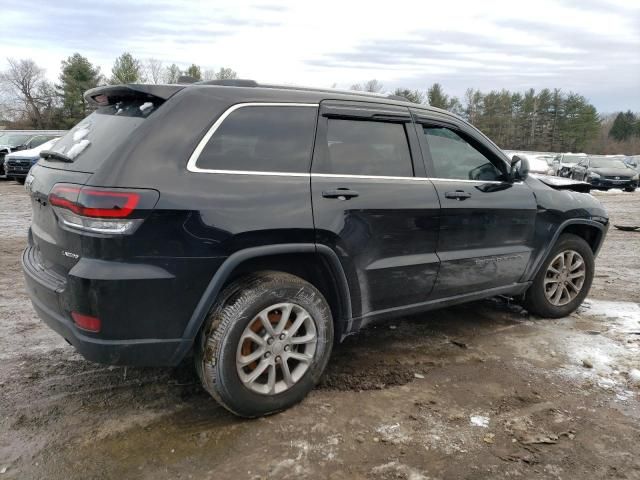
(111, 94)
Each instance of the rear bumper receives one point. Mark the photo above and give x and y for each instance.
(45, 296)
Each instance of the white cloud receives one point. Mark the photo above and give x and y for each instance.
(585, 45)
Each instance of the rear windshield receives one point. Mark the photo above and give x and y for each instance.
(96, 137)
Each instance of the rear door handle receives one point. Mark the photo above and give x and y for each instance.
(458, 195)
(340, 193)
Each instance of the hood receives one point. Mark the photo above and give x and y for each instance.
(561, 183)
(614, 172)
(32, 152)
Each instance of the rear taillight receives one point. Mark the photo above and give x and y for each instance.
(101, 210)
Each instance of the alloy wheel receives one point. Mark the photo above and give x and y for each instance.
(564, 278)
(276, 348)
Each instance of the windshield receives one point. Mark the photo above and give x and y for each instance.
(607, 163)
(14, 140)
(572, 158)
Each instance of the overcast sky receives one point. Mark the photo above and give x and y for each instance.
(588, 46)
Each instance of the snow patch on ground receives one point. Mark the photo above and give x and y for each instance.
(400, 470)
(479, 421)
(607, 357)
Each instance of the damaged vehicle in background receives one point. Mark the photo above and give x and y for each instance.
(604, 172)
(14, 142)
(18, 164)
(278, 220)
(563, 163)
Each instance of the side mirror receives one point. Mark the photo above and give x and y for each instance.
(519, 168)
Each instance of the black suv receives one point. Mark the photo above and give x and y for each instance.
(255, 225)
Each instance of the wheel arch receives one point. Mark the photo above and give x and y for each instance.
(317, 264)
(591, 231)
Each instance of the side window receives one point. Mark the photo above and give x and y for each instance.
(454, 157)
(360, 147)
(262, 138)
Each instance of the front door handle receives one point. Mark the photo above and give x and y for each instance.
(340, 193)
(458, 195)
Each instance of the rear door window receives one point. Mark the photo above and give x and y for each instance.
(361, 147)
(262, 138)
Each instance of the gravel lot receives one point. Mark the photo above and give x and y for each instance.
(476, 391)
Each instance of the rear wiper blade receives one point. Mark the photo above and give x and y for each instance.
(51, 155)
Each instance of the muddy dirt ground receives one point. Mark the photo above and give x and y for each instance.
(472, 392)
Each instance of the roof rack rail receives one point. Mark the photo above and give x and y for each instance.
(393, 96)
(231, 82)
(241, 82)
(335, 90)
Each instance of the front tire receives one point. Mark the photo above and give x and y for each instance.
(563, 281)
(265, 343)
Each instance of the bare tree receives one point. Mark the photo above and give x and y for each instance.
(226, 74)
(209, 75)
(26, 83)
(171, 73)
(154, 70)
(373, 86)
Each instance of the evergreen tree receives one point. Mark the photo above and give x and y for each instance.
(194, 71)
(436, 96)
(415, 96)
(624, 126)
(126, 69)
(76, 77)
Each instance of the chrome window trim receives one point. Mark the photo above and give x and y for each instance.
(337, 175)
(372, 177)
(193, 159)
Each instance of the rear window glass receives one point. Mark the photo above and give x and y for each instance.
(96, 137)
(262, 138)
(359, 147)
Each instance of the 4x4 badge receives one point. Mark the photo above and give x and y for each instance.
(70, 254)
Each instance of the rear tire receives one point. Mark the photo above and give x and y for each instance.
(556, 292)
(273, 326)
(630, 189)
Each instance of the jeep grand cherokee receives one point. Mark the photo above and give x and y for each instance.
(254, 224)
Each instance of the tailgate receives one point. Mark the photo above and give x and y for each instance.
(55, 248)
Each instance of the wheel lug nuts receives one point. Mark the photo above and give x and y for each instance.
(267, 354)
(278, 358)
(269, 341)
(287, 348)
(283, 336)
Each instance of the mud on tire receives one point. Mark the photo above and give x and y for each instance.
(537, 299)
(226, 339)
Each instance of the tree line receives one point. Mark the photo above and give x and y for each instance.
(544, 120)
(547, 120)
(29, 100)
